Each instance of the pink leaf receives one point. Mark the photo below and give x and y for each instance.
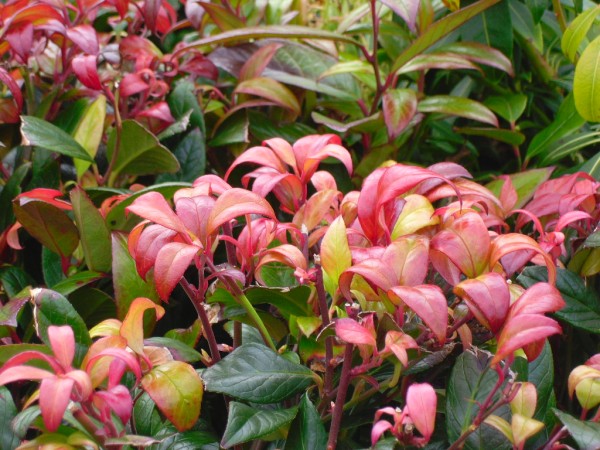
(378, 429)
(258, 155)
(117, 400)
(286, 254)
(234, 203)
(131, 84)
(351, 331)
(86, 70)
(428, 302)
(62, 342)
(171, 263)
(154, 207)
(540, 298)
(397, 342)
(11, 374)
(194, 213)
(488, 298)
(13, 87)
(152, 239)
(85, 37)
(55, 395)
(421, 402)
(127, 357)
(523, 330)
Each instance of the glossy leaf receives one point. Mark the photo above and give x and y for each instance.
(10, 190)
(177, 348)
(335, 253)
(458, 106)
(79, 279)
(182, 100)
(306, 431)
(234, 203)
(509, 107)
(245, 423)
(577, 31)
(89, 132)
(436, 60)
(225, 19)
(255, 373)
(407, 9)
(8, 411)
(93, 232)
(586, 84)
(421, 401)
(399, 108)
(488, 299)
(191, 154)
(177, 390)
(132, 328)
(525, 183)
(352, 332)
(493, 27)
(140, 153)
(257, 63)
(481, 54)
(172, 261)
(585, 433)
(582, 308)
(43, 134)
(49, 225)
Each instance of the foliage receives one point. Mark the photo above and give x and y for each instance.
(338, 299)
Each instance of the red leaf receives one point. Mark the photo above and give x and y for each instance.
(194, 213)
(131, 84)
(154, 207)
(428, 302)
(258, 155)
(86, 70)
(171, 263)
(234, 203)
(421, 402)
(152, 239)
(351, 331)
(46, 195)
(521, 331)
(21, 41)
(84, 36)
(488, 298)
(540, 298)
(55, 395)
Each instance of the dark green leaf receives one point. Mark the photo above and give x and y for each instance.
(8, 411)
(234, 130)
(245, 423)
(592, 166)
(492, 27)
(307, 431)
(146, 417)
(14, 280)
(178, 349)
(583, 305)
(182, 100)
(43, 134)
(593, 240)
(24, 420)
(74, 282)
(586, 434)
(288, 301)
(191, 154)
(470, 383)
(522, 20)
(140, 153)
(49, 225)
(507, 136)
(11, 189)
(51, 308)
(10, 350)
(51, 267)
(93, 305)
(176, 128)
(127, 283)
(509, 107)
(255, 373)
(93, 232)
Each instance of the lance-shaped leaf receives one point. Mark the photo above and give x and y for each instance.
(399, 108)
(351, 331)
(437, 60)
(428, 302)
(488, 298)
(307, 431)
(465, 243)
(89, 132)
(171, 263)
(257, 374)
(335, 253)
(55, 395)
(522, 331)
(314, 210)
(43, 134)
(577, 31)
(458, 106)
(587, 81)
(237, 202)
(481, 54)
(271, 90)
(133, 324)
(153, 206)
(177, 390)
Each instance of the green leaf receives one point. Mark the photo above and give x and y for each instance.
(245, 423)
(93, 232)
(146, 417)
(177, 390)
(89, 132)
(509, 107)
(234, 130)
(457, 106)
(577, 31)
(470, 383)
(566, 122)
(9, 350)
(582, 308)
(292, 301)
(255, 373)
(11, 189)
(525, 183)
(179, 350)
(49, 225)
(127, 283)
(140, 152)
(182, 100)
(75, 281)
(51, 267)
(593, 240)
(222, 17)
(568, 145)
(523, 23)
(592, 166)
(93, 305)
(586, 434)
(25, 419)
(586, 84)
(14, 280)
(541, 373)
(307, 431)
(506, 136)
(493, 27)
(439, 30)
(43, 134)
(8, 411)
(51, 308)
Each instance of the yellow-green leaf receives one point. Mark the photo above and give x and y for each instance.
(576, 32)
(335, 253)
(586, 85)
(89, 132)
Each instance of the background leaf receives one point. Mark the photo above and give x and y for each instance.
(8, 411)
(586, 434)
(191, 154)
(586, 84)
(307, 431)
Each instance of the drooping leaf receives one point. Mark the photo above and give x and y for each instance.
(93, 232)
(583, 306)
(586, 84)
(177, 390)
(179, 350)
(585, 433)
(225, 19)
(234, 203)
(253, 372)
(458, 106)
(481, 54)
(245, 423)
(139, 152)
(70, 284)
(43, 134)
(470, 383)
(306, 431)
(132, 328)
(352, 332)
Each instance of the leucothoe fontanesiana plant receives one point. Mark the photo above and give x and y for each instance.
(418, 311)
